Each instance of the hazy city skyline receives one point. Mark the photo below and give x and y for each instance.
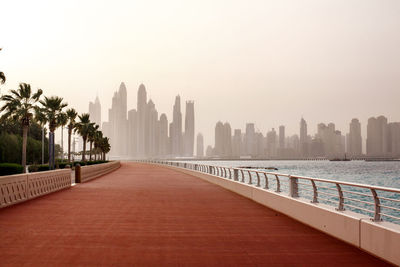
(267, 62)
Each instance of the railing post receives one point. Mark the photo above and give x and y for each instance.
(377, 214)
(258, 179)
(242, 176)
(315, 196)
(341, 199)
(196, 167)
(236, 175)
(250, 182)
(184, 165)
(278, 184)
(266, 181)
(294, 187)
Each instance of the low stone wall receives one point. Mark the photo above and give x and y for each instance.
(21, 187)
(381, 239)
(93, 171)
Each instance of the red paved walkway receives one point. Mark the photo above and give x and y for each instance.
(142, 215)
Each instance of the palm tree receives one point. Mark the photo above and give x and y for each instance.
(41, 119)
(19, 106)
(83, 128)
(97, 143)
(71, 114)
(105, 146)
(91, 138)
(2, 76)
(62, 121)
(52, 109)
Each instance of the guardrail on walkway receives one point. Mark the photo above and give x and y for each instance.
(300, 198)
(93, 171)
(376, 201)
(21, 187)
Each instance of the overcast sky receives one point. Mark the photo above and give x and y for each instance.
(267, 62)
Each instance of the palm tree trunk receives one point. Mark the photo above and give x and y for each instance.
(62, 143)
(90, 151)
(24, 141)
(69, 144)
(84, 150)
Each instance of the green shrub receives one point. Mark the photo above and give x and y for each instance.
(10, 168)
(62, 165)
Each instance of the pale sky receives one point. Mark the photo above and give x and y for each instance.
(267, 62)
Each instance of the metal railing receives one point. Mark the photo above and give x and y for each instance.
(375, 201)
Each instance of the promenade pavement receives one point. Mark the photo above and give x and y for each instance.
(146, 215)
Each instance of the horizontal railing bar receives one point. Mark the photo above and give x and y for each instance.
(329, 200)
(390, 216)
(304, 184)
(325, 187)
(388, 207)
(357, 200)
(359, 208)
(356, 193)
(327, 194)
(390, 199)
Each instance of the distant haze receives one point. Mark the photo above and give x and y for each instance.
(267, 62)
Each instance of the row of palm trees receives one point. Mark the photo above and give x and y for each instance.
(26, 106)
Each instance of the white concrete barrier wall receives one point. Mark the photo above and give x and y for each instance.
(21, 187)
(381, 239)
(93, 171)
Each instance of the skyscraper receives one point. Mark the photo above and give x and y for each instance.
(177, 141)
(200, 145)
(141, 118)
(227, 140)
(237, 143)
(132, 133)
(271, 143)
(219, 139)
(189, 129)
(95, 111)
(394, 139)
(118, 124)
(281, 137)
(163, 135)
(303, 138)
(249, 139)
(377, 136)
(354, 140)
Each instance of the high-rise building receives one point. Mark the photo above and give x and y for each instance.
(249, 139)
(394, 139)
(163, 135)
(141, 118)
(271, 143)
(189, 129)
(132, 133)
(227, 140)
(118, 127)
(219, 139)
(354, 140)
(176, 134)
(377, 129)
(303, 138)
(281, 137)
(200, 145)
(237, 143)
(151, 131)
(95, 111)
